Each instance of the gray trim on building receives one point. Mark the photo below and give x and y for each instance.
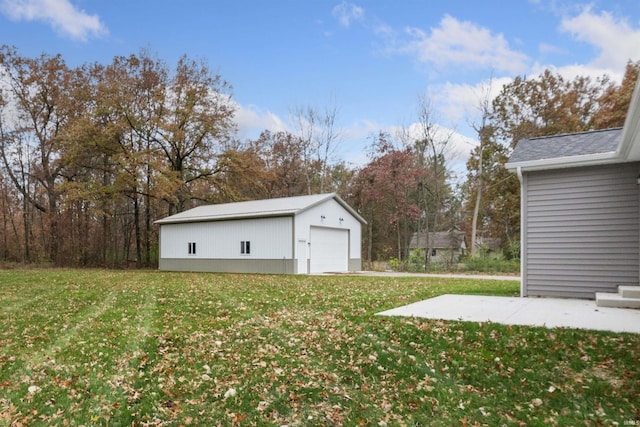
(266, 266)
(581, 232)
(260, 266)
(355, 264)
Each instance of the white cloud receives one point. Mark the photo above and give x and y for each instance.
(455, 147)
(346, 12)
(616, 40)
(361, 130)
(251, 121)
(464, 43)
(63, 16)
(571, 71)
(356, 137)
(546, 48)
(461, 102)
(383, 30)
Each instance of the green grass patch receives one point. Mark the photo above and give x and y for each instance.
(95, 347)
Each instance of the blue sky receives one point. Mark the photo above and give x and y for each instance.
(373, 59)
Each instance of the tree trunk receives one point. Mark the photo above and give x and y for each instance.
(26, 223)
(476, 211)
(370, 244)
(399, 244)
(147, 218)
(52, 220)
(136, 220)
(476, 208)
(5, 224)
(427, 249)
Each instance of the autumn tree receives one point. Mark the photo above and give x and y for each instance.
(528, 108)
(384, 192)
(273, 165)
(498, 210)
(241, 175)
(615, 101)
(32, 139)
(133, 96)
(547, 105)
(100, 151)
(168, 129)
(197, 120)
(283, 157)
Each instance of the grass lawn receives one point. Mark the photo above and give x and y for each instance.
(94, 347)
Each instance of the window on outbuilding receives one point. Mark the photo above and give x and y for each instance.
(245, 247)
(192, 248)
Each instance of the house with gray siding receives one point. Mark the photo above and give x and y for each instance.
(580, 211)
(292, 235)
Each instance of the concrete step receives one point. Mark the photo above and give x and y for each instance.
(606, 299)
(629, 291)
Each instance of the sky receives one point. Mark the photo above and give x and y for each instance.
(373, 60)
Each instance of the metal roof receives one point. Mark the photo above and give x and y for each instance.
(284, 206)
(567, 145)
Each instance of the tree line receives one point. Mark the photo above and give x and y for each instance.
(527, 108)
(92, 155)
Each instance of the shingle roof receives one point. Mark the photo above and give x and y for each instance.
(567, 145)
(255, 209)
(439, 240)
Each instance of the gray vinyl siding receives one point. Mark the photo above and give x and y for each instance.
(581, 230)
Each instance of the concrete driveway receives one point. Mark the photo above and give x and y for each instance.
(546, 312)
(449, 276)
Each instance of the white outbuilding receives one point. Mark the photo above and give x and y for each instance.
(291, 235)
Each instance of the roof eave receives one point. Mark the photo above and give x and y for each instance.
(350, 209)
(629, 147)
(565, 162)
(328, 196)
(224, 217)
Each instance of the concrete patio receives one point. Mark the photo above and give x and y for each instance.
(546, 312)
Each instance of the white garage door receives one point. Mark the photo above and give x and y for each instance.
(329, 250)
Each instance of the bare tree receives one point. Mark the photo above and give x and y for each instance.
(484, 131)
(319, 139)
(432, 146)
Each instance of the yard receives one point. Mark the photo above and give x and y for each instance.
(97, 347)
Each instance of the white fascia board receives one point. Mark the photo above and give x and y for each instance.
(565, 162)
(351, 210)
(629, 147)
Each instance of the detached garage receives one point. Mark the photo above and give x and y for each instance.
(292, 235)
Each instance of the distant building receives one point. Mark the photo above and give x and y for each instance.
(444, 246)
(488, 246)
(292, 235)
